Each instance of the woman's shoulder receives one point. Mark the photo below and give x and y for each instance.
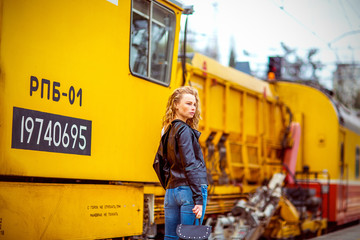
(181, 128)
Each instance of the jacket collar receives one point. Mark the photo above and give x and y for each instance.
(196, 132)
(178, 120)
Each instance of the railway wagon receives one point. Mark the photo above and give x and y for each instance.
(80, 115)
(83, 88)
(329, 153)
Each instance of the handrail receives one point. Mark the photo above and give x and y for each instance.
(316, 174)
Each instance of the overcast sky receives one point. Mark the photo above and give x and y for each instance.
(259, 26)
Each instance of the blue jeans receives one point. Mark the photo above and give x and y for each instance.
(178, 204)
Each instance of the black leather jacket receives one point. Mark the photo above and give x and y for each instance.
(185, 160)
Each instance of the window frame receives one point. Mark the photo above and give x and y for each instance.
(171, 42)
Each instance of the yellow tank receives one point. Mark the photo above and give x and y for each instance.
(83, 88)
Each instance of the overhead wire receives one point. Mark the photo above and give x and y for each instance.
(328, 44)
(345, 14)
(352, 7)
(299, 22)
(344, 35)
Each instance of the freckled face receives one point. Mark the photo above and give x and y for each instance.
(186, 108)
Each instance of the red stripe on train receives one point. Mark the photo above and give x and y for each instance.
(344, 201)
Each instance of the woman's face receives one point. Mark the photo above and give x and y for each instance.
(186, 108)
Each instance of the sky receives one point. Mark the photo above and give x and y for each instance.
(259, 26)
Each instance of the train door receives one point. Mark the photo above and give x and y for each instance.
(357, 162)
(343, 177)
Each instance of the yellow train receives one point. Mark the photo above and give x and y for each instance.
(329, 148)
(83, 88)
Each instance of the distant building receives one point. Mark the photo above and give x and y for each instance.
(243, 67)
(347, 84)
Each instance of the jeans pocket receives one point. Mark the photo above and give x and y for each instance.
(185, 195)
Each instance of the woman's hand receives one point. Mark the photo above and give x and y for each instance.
(197, 210)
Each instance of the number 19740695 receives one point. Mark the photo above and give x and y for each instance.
(49, 132)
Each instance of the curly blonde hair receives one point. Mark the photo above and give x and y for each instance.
(171, 108)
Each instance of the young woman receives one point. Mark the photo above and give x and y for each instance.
(186, 186)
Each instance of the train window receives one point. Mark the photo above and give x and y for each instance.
(152, 40)
(357, 162)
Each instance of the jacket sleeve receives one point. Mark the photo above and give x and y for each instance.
(190, 163)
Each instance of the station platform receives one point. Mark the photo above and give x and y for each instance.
(351, 233)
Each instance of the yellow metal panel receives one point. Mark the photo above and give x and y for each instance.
(320, 126)
(229, 160)
(271, 122)
(84, 45)
(234, 111)
(352, 141)
(278, 123)
(244, 154)
(232, 75)
(250, 116)
(198, 82)
(267, 119)
(287, 211)
(299, 118)
(226, 107)
(57, 211)
(250, 119)
(216, 101)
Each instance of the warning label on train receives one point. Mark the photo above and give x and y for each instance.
(34, 130)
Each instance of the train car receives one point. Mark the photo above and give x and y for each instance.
(83, 88)
(81, 99)
(329, 153)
